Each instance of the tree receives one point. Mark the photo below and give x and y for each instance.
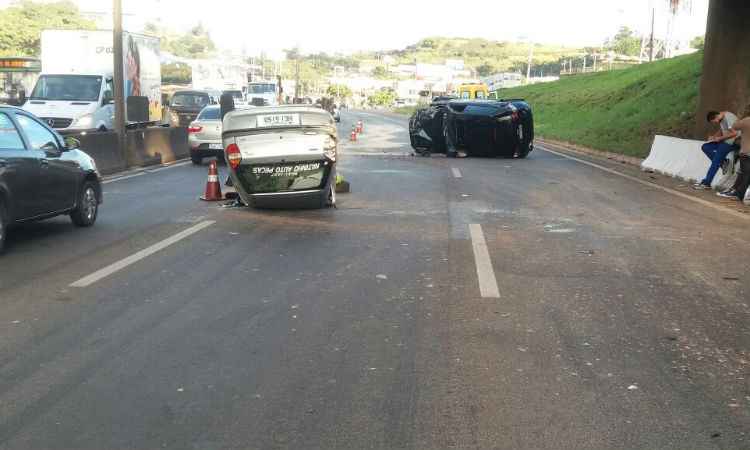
(485, 70)
(380, 72)
(176, 73)
(698, 42)
(384, 97)
(625, 42)
(339, 90)
(21, 25)
(196, 43)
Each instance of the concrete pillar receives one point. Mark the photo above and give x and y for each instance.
(725, 84)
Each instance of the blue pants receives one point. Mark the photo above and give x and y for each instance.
(717, 152)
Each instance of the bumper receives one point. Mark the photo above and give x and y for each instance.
(204, 151)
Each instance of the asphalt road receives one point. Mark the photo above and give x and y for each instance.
(465, 304)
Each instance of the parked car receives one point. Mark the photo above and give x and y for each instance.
(42, 174)
(282, 156)
(204, 135)
(184, 107)
(489, 128)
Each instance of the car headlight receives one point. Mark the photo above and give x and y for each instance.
(85, 121)
(329, 148)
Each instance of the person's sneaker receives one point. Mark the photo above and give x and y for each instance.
(701, 187)
(729, 194)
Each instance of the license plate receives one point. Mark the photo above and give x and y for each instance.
(215, 147)
(278, 120)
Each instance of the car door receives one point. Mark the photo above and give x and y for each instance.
(59, 176)
(19, 170)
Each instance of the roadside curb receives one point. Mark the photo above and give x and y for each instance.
(599, 154)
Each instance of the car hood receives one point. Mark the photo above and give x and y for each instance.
(59, 109)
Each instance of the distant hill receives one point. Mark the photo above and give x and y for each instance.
(492, 56)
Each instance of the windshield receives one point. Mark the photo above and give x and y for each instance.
(262, 88)
(210, 113)
(235, 94)
(83, 88)
(190, 99)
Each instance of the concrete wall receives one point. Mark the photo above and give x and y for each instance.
(725, 84)
(145, 147)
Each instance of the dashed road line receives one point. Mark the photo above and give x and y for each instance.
(485, 272)
(456, 172)
(124, 177)
(674, 192)
(134, 258)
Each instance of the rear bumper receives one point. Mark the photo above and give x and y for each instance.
(202, 151)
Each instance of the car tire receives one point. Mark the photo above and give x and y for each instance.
(3, 226)
(87, 208)
(328, 199)
(196, 160)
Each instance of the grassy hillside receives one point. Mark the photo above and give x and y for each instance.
(618, 111)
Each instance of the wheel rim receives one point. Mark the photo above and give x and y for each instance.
(89, 204)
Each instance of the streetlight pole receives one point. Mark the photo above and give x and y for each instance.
(119, 76)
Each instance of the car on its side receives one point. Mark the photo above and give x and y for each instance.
(185, 105)
(489, 128)
(282, 156)
(42, 174)
(204, 135)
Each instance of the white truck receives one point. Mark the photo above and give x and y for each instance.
(75, 90)
(263, 93)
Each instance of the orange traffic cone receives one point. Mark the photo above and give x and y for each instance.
(213, 187)
(360, 126)
(353, 136)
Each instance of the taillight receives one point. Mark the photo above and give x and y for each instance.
(234, 157)
(515, 116)
(195, 128)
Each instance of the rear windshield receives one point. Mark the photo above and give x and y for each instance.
(190, 100)
(210, 114)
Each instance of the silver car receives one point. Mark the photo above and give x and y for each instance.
(282, 156)
(204, 135)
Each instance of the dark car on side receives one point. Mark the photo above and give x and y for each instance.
(184, 107)
(489, 128)
(42, 174)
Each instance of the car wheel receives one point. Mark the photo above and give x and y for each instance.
(88, 206)
(3, 227)
(196, 160)
(328, 199)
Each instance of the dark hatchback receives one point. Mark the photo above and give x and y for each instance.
(489, 128)
(42, 174)
(184, 107)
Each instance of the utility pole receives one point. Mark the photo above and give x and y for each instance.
(119, 76)
(296, 78)
(584, 63)
(595, 56)
(651, 44)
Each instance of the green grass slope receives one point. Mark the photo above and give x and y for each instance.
(618, 111)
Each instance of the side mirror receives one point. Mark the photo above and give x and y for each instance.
(71, 143)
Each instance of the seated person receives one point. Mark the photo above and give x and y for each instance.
(719, 145)
(743, 179)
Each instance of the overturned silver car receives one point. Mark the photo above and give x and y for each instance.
(282, 156)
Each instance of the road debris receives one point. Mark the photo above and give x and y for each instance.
(380, 276)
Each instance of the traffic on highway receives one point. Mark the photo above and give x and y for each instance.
(209, 240)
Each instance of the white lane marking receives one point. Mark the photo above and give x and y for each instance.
(456, 172)
(485, 271)
(126, 177)
(134, 258)
(674, 192)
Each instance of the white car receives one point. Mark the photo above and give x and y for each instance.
(282, 156)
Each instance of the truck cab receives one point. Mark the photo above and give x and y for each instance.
(73, 102)
(263, 93)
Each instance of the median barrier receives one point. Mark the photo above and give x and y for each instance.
(684, 159)
(157, 145)
(104, 149)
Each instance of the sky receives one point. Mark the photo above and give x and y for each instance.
(345, 25)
